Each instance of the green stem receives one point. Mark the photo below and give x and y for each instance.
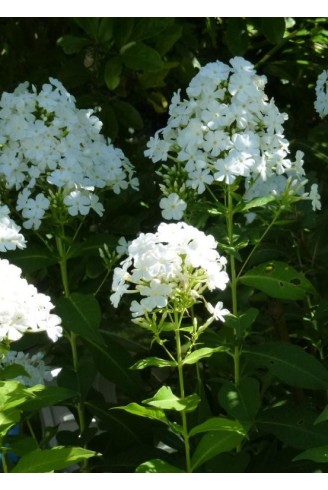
(72, 337)
(233, 282)
(4, 462)
(182, 395)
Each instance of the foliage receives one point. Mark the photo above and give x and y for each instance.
(255, 385)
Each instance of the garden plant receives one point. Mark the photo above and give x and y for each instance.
(163, 252)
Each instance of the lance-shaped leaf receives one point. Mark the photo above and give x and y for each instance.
(49, 460)
(81, 314)
(149, 413)
(220, 424)
(7, 420)
(323, 417)
(153, 362)
(165, 399)
(157, 466)
(199, 354)
(214, 443)
(290, 363)
(294, 425)
(278, 280)
(243, 401)
(316, 454)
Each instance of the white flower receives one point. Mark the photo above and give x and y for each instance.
(10, 238)
(228, 123)
(123, 246)
(218, 312)
(177, 261)
(172, 207)
(315, 197)
(34, 211)
(48, 143)
(37, 371)
(321, 89)
(22, 308)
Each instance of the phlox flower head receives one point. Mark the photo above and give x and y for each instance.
(169, 269)
(22, 308)
(48, 144)
(225, 131)
(36, 369)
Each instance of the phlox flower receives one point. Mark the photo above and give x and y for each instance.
(22, 308)
(228, 123)
(48, 144)
(172, 207)
(10, 238)
(176, 263)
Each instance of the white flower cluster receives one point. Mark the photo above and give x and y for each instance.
(176, 264)
(23, 308)
(226, 129)
(38, 372)
(321, 89)
(10, 238)
(45, 139)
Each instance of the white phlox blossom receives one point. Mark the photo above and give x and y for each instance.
(10, 236)
(226, 129)
(175, 264)
(321, 90)
(22, 308)
(37, 371)
(47, 143)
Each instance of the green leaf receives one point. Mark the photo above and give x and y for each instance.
(166, 400)
(21, 445)
(212, 444)
(157, 466)
(139, 56)
(81, 314)
(32, 258)
(153, 361)
(72, 44)
(12, 394)
(278, 280)
(113, 362)
(273, 28)
(199, 354)
(290, 364)
(148, 27)
(54, 459)
(90, 25)
(8, 419)
(220, 424)
(122, 30)
(242, 322)
(105, 29)
(236, 36)
(12, 371)
(257, 202)
(243, 401)
(167, 39)
(120, 425)
(45, 396)
(323, 417)
(112, 75)
(127, 115)
(293, 425)
(149, 413)
(316, 454)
